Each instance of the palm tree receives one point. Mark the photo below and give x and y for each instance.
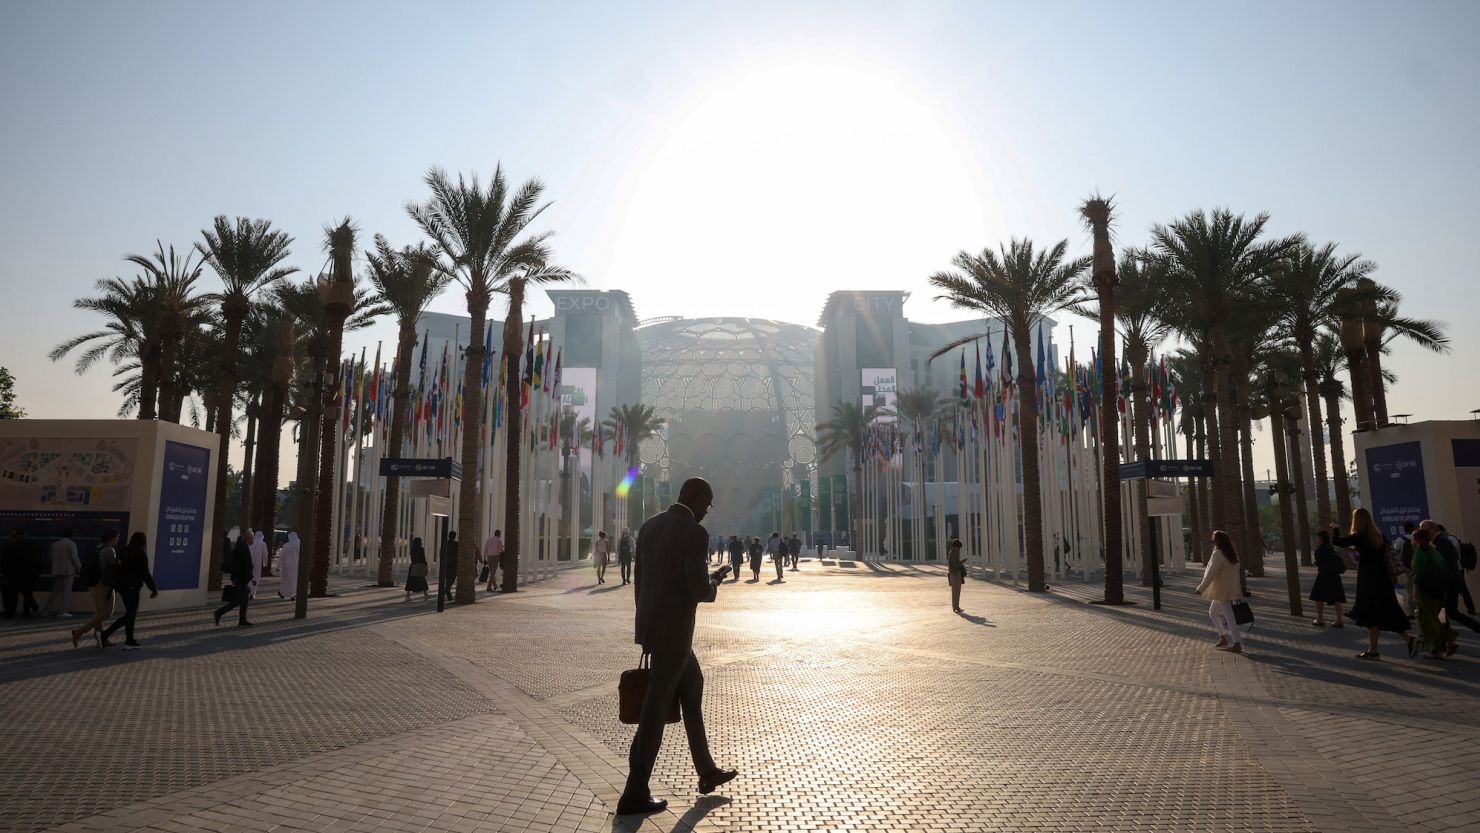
(479, 232)
(337, 293)
(1218, 259)
(637, 423)
(1251, 336)
(846, 432)
(406, 281)
(1380, 326)
(172, 288)
(129, 336)
(916, 407)
(575, 432)
(1184, 368)
(1097, 213)
(1278, 401)
(247, 257)
(1328, 360)
(1308, 286)
(1021, 286)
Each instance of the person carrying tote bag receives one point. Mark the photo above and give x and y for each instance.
(1221, 587)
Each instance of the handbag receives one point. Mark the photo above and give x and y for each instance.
(1242, 613)
(632, 690)
(417, 570)
(483, 574)
(228, 594)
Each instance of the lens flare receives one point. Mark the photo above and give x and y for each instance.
(627, 480)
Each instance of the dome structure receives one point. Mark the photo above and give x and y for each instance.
(737, 394)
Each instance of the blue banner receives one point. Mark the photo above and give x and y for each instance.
(1395, 478)
(182, 516)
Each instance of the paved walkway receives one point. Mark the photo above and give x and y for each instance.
(850, 698)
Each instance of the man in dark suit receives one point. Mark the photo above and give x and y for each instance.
(669, 579)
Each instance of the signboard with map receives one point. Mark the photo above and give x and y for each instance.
(65, 474)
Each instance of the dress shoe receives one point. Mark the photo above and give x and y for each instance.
(641, 806)
(708, 783)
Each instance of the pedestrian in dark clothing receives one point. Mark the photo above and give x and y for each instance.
(757, 551)
(239, 567)
(776, 548)
(1448, 550)
(94, 568)
(1377, 607)
(133, 575)
(1431, 581)
(624, 555)
(18, 566)
(670, 581)
(737, 556)
(416, 574)
(448, 566)
(1327, 588)
(794, 549)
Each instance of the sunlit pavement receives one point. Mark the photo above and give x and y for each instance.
(850, 697)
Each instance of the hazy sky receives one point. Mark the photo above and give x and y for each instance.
(737, 159)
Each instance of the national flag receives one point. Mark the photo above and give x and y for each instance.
(980, 391)
(555, 382)
(1007, 380)
(965, 396)
(528, 376)
(537, 380)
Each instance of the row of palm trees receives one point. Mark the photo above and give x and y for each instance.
(1269, 326)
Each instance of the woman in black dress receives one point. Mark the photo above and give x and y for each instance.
(1328, 589)
(416, 574)
(1377, 606)
(757, 549)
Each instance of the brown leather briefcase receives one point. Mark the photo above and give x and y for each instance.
(632, 689)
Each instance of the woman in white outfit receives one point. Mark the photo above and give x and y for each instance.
(1221, 587)
(288, 568)
(600, 554)
(259, 561)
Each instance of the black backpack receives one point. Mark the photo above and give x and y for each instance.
(92, 569)
(1467, 555)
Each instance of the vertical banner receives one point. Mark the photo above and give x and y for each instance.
(182, 515)
(578, 393)
(879, 391)
(840, 504)
(824, 502)
(1467, 479)
(1395, 478)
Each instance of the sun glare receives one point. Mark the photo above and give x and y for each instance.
(795, 176)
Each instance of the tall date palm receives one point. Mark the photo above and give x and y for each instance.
(1097, 213)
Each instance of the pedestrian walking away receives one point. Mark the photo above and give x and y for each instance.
(132, 575)
(1221, 587)
(794, 550)
(448, 566)
(1376, 608)
(18, 571)
(1449, 550)
(776, 549)
(65, 567)
(95, 567)
(757, 551)
(670, 580)
(600, 552)
(624, 555)
(493, 555)
(1431, 579)
(259, 561)
(737, 556)
(416, 574)
(288, 567)
(955, 572)
(239, 569)
(1327, 589)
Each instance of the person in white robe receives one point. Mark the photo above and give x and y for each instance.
(288, 568)
(259, 561)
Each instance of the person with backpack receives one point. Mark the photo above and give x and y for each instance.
(98, 564)
(1431, 578)
(130, 575)
(1454, 557)
(1327, 588)
(1448, 549)
(239, 568)
(624, 555)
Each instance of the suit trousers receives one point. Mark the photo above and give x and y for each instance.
(238, 601)
(671, 675)
(61, 594)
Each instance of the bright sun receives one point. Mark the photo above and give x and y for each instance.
(783, 182)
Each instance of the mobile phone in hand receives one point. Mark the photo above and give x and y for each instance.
(719, 575)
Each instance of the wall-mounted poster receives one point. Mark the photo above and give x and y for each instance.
(1467, 476)
(578, 393)
(879, 390)
(1395, 478)
(182, 516)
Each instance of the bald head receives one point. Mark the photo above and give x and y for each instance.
(698, 495)
(1427, 525)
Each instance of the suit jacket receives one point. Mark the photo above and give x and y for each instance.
(670, 577)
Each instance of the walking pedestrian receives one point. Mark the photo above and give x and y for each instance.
(18, 564)
(65, 565)
(776, 549)
(448, 566)
(757, 551)
(1376, 608)
(1221, 587)
(288, 567)
(1403, 543)
(599, 555)
(416, 574)
(259, 561)
(132, 576)
(1448, 547)
(493, 555)
(624, 555)
(794, 549)
(1431, 579)
(671, 581)
(955, 572)
(239, 568)
(737, 556)
(94, 568)
(1327, 589)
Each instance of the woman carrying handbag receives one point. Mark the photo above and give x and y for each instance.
(1221, 587)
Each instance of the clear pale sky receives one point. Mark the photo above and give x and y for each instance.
(737, 159)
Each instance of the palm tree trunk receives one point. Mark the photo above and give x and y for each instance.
(1028, 440)
(225, 397)
(469, 530)
(1356, 366)
(244, 509)
(269, 456)
(857, 502)
(1253, 540)
(1379, 384)
(329, 438)
(1194, 490)
(1114, 544)
(169, 381)
(1287, 526)
(148, 380)
(1136, 356)
(1314, 425)
(1338, 458)
(1302, 505)
(401, 407)
(1227, 489)
(514, 349)
(304, 500)
(1207, 449)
